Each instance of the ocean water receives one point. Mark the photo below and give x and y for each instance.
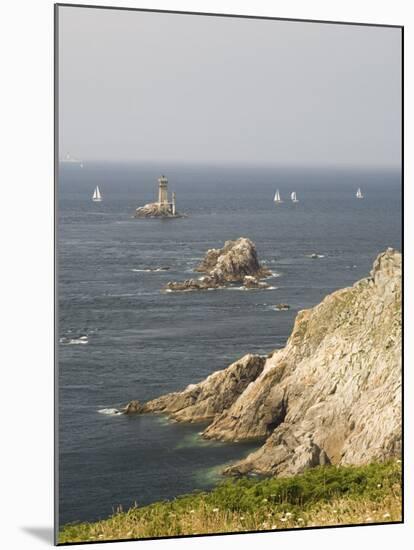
(120, 338)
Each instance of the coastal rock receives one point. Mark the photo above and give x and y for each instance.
(236, 262)
(155, 210)
(133, 407)
(253, 282)
(331, 395)
(282, 307)
(204, 283)
(203, 401)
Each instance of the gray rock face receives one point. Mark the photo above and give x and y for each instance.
(331, 395)
(236, 262)
(155, 210)
(215, 394)
(339, 377)
(133, 407)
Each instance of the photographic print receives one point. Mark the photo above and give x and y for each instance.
(228, 274)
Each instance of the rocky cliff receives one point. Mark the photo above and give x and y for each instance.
(236, 262)
(331, 395)
(212, 396)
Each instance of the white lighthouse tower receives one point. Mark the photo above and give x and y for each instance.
(163, 191)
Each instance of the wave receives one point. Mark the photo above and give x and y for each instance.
(246, 289)
(273, 275)
(170, 290)
(151, 269)
(110, 412)
(73, 341)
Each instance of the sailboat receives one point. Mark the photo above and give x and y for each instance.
(294, 197)
(97, 197)
(359, 194)
(277, 198)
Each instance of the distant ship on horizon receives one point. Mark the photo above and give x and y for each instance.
(294, 197)
(70, 160)
(359, 194)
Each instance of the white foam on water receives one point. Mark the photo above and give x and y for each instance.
(128, 294)
(151, 270)
(110, 412)
(74, 341)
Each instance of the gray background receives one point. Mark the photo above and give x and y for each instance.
(140, 86)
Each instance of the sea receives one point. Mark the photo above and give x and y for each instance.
(119, 337)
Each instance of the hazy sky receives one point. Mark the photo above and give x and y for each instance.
(150, 86)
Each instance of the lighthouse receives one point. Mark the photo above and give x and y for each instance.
(163, 200)
(163, 208)
(162, 191)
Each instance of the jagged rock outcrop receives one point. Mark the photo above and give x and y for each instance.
(338, 381)
(133, 407)
(331, 395)
(236, 262)
(155, 210)
(213, 395)
(282, 307)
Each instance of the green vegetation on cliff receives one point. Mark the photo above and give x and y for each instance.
(322, 496)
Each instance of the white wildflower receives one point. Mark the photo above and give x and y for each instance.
(215, 509)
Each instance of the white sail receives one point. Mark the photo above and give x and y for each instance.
(97, 197)
(359, 194)
(294, 197)
(277, 197)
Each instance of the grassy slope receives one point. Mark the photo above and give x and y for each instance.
(323, 496)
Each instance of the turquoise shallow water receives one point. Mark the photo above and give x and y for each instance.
(122, 339)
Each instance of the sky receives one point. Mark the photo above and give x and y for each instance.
(136, 86)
